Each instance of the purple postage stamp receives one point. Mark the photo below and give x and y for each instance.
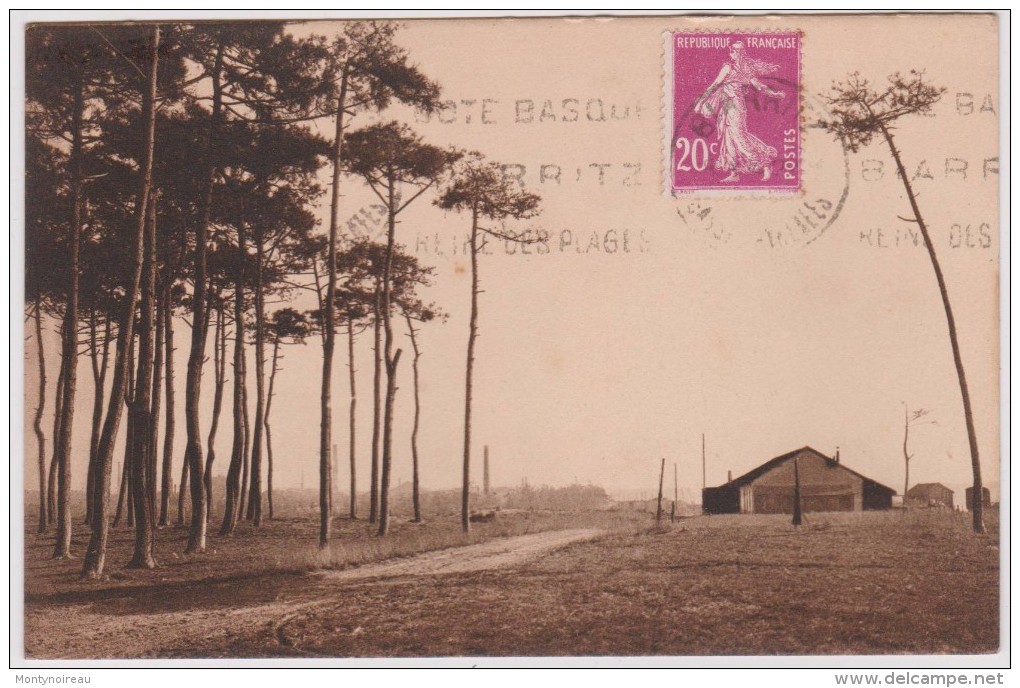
(733, 102)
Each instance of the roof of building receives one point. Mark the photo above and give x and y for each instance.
(761, 470)
(925, 486)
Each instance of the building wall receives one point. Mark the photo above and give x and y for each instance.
(824, 486)
(877, 497)
(986, 497)
(928, 493)
(720, 500)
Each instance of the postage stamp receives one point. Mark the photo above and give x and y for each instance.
(733, 104)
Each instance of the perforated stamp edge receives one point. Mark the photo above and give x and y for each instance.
(666, 116)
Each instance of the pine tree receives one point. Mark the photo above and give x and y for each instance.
(481, 188)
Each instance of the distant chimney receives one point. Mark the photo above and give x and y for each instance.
(729, 476)
(837, 455)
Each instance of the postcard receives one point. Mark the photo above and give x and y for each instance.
(571, 337)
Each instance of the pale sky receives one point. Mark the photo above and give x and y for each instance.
(636, 329)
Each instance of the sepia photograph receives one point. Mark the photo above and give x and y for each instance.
(672, 338)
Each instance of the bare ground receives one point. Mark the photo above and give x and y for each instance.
(130, 626)
(873, 583)
(495, 554)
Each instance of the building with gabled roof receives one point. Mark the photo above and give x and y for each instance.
(825, 485)
(930, 494)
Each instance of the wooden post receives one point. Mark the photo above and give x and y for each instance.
(676, 494)
(485, 471)
(796, 494)
(658, 507)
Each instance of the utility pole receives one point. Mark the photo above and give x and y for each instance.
(485, 472)
(658, 507)
(676, 493)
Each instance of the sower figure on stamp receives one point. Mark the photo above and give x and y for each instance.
(740, 151)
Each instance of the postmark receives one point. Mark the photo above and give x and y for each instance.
(782, 220)
(734, 113)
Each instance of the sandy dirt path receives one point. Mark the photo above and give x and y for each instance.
(103, 629)
(494, 554)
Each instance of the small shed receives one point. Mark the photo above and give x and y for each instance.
(825, 485)
(930, 494)
(986, 497)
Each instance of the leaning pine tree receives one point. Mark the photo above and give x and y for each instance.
(859, 114)
(96, 553)
(63, 109)
(44, 219)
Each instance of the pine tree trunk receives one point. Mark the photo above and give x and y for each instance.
(465, 500)
(96, 554)
(139, 419)
(269, 432)
(373, 499)
(182, 492)
(97, 415)
(124, 509)
(122, 492)
(387, 454)
(219, 370)
(51, 483)
(125, 505)
(231, 509)
(415, 483)
(51, 492)
(168, 435)
(196, 357)
(40, 409)
(152, 448)
(392, 361)
(255, 492)
(69, 350)
(353, 417)
(977, 512)
(128, 487)
(246, 426)
(329, 329)
(104, 369)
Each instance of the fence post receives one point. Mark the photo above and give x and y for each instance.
(658, 506)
